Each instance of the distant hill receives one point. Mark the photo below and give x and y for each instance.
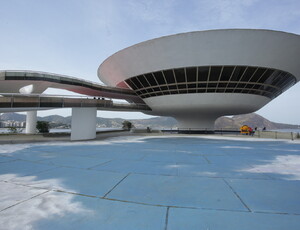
(252, 119)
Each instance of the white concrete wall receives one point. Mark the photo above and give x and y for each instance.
(83, 126)
(263, 48)
(31, 119)
(200, 110)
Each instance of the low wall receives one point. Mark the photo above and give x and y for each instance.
(277, 135)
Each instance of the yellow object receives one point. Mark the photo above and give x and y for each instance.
(245, 129)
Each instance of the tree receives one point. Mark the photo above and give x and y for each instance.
(43, 126)
(127, 125)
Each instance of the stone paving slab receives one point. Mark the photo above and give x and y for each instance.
(12, 194)
(222, 171)
(179, 157)
(8, 170)
(179, 219)
(66, 211)
(75, 162)
(178, 191)
(87, 182)
(126, 166)
(274, 196)
(6, 159)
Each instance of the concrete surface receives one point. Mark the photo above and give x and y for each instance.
(151, 183)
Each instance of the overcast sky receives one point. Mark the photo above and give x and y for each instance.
(73, 37)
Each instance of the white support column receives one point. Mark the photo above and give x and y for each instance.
(31, 119)
(83, 125)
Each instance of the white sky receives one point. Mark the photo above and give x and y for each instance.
(73, 37)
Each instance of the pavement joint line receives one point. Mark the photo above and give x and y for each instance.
(116, 185)
(173, 206)
(91, 168)
(277, 213)
(237, 195)
(167, 218)
(206, 159)
(74, 193)
(24, 201)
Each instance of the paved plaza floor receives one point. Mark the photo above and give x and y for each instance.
(167, 183)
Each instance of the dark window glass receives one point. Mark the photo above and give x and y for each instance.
(182, 86)
(174, 92)
(159, 78)
(131, 84)
(267, 74)
(156, 89)
(226, 73)
(278, 78)
(150, 79)
(255, 86)
(221, 85)
(136, 82)
(210, 90)
(241, 85)
(239, 70)
(172, 87)
(180, 75)
(212, 85)
(272, 77)
(258, 74)
(248, 74)
(169, 76)
(229, 90)
(201, 85)
(143, 81)
(215, 73)
(231, 85)
(192, 86)
(281, 79)
(201, 90)
(203, 73)
(164, 88)
(191, 74)
(159, 94)
(183, 91)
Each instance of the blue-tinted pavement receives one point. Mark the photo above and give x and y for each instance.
(151, 183)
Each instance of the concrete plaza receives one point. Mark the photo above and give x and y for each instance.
(151, 183)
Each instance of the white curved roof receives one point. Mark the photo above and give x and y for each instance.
(263, 48)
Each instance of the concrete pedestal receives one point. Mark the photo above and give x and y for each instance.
(83, 125)
(31, 120)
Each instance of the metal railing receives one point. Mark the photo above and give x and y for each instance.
(65, 101)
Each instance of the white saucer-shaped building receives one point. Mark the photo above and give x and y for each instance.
(197, 77)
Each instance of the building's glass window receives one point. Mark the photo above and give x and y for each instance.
(191, 74)
(169, 76)
(203, 73)
(213, 79)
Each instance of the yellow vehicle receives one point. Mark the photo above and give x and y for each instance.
(245, 129)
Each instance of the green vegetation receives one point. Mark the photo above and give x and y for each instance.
(127, 125)
(43, 126)
(14, 130)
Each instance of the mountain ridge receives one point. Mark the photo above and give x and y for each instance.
(234, 122)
